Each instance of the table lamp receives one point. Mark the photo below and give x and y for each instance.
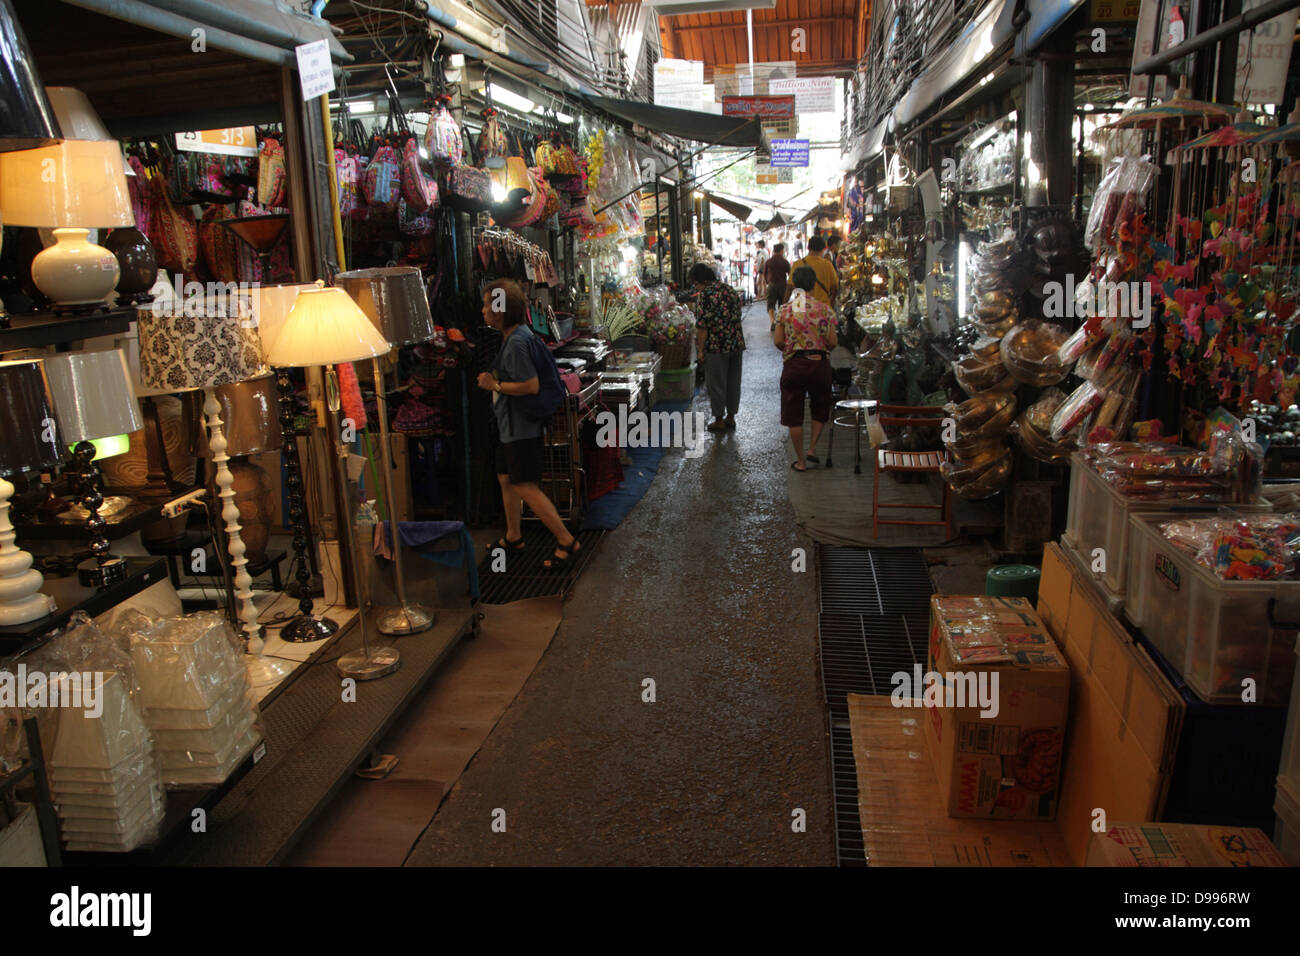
(26, 119)
(72, 186)
(271, 305)
(93, 400)
(326, 327)
(393, 300)
(28, 443)
(186, 353)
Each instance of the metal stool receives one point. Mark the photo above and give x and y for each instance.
(861, 409)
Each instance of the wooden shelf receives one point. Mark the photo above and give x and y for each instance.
(45, 328)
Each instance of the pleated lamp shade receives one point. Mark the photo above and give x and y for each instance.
(325, 327)
(271, 305)
(93, 395)
(26, 441)
(394, 301)
(26, 119)
(183, 353)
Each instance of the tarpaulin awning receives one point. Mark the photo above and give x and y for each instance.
(737, 209)
(684, 124)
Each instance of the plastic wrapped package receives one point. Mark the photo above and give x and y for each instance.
(1030, 352)
(1106, 355)
(1154, 460)
(1240, 547)
(1082, 402)
(1119, 196)
(1073, 348)
(1118, 409)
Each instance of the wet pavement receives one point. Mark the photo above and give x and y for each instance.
(694, 592)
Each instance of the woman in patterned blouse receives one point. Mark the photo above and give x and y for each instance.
(721, 339)
(805, 334)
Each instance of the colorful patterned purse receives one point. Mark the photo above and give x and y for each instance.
(443, 141)
(418, 189)
(383, 180)
(272, 174)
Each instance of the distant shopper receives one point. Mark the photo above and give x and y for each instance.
(776, 273)
(760, 264)
(833, 250)
(805, 334)
(514, 374)
(828, 281)
(721, 339)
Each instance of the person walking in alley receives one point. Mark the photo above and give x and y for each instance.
(760, 266)
(805, 334)
(828, 281)
(776, 273)
(515, 374)
(721, 341)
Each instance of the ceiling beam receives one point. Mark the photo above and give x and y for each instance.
(758, 24)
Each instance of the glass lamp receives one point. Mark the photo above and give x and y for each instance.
(30, 443)
(326, 327)
(93, 399)
(72, 186)
(394, 301)
(186, 353)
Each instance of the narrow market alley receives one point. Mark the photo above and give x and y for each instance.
(694, 592)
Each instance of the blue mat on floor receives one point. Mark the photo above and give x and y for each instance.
(608, 511)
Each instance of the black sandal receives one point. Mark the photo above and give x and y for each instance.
(562, 561)
(812, 458)
(507, 544)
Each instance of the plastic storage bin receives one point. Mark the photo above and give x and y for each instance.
(1098, 517)
(676, 384)
(1288, 771)
(1286, 830)
(1216, 632)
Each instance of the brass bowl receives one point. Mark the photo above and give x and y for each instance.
(988, 483)
(997, 424)
(978, 409)
(1030, 352)
(996, 329)
(976, 455)
(1037, 445)
(987, 347)
(1039, 414)
(976, 374)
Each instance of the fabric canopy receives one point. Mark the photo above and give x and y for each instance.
(737, 209)
(684, 124)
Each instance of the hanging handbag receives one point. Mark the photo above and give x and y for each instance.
(272, 173)
(418, 189)
(443, 142)
(218, 245)
(469, 188)
(413, 222)
(492, 146)
(137, 187)
(383, 180)
(352, 205)
(176, 234)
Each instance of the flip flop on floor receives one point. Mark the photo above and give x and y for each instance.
(562, 561)
(795, 466)
(812, 458)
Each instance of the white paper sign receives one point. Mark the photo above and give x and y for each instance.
(679, 83)
(315, 69)
(1263, 55)
(813, 94)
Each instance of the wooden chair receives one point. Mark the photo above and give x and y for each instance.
(923, 416)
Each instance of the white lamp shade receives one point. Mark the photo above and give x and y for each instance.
(73, 184)
(182, 353)
(324, 327)
(93, 395)
(271, 305)
(77, 118)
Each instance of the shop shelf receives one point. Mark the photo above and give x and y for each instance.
(1288, 771)
(1215, 632)
(675, 385)
(1098, 517)
(1286, 829)
(1225, 768)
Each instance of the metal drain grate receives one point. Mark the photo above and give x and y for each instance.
(874, 622)
(525, 577)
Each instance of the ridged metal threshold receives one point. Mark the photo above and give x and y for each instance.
(874, 622)
(525, 577)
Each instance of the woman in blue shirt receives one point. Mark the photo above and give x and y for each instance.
(519, 453)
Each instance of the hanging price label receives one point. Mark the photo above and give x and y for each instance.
(235, 141)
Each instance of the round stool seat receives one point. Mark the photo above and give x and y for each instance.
(857, 404)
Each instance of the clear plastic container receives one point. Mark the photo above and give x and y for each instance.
(1216, 632)
(1286, 831)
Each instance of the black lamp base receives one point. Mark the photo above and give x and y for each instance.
(92, 574)
(304, 629)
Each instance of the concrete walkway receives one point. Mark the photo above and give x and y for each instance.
(695, 592)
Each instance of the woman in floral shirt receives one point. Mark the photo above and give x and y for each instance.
(721, 340)
(805, 334)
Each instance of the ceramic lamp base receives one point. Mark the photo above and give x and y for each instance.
(369, 663)
(406, 619)
(75, 271)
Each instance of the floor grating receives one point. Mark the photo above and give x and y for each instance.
(525, 577)
(874, 622)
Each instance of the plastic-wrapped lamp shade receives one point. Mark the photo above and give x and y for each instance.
(251, 413)
(73, 184)
(271, 305)
(394, 300)
(27, 443)
(183, 353)
(325, 327)
(93, 395)
(77, 118)
(26, 119)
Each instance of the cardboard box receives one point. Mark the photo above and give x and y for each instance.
(996, 697)
(1125, 717)
(904, 820)
(1181, 844)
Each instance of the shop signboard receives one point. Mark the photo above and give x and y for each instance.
(315, 69)
(813, 94)
(679, 83)
(765, 175)
(234, 141)
(751, 79)
(764, 107)
(790, 152)
(1115, 11)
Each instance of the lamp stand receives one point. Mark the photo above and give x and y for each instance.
(406, 618)
(261, 669)
(366, 663)
(305, 626)
(21, 599)
(103, 569)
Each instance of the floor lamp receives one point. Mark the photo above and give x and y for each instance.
(271, 305)
(187, 353)
(394, 301)
(325, 327)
